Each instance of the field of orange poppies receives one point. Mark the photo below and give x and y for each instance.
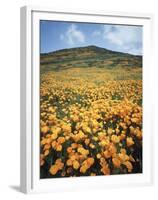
(90, 122)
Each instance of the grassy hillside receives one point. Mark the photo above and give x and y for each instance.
(90, 113)
(90, 56)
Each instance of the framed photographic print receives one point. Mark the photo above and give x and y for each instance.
(85, 100)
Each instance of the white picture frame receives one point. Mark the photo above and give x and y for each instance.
(30, 181)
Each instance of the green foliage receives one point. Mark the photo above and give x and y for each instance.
(87, 57)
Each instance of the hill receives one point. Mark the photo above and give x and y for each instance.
(89, 56)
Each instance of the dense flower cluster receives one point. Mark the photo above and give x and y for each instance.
(91, 124)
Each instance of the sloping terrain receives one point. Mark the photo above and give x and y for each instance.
(90, 56)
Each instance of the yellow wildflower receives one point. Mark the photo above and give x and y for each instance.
(128, 165)
(115, 139)
(83, 151)
(59, 147)
(61, 140)
(116, 162)
(129, 141)
(98, 155)
(69, 149)
(54, 136)
(105, 170)
(83, 169)
(54, 169)
(76, 164)
(46, 152)
(44, 129)
(87, 141)
(69, 162)
(110, 131)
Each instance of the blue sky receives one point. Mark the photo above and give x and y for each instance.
(60, 35)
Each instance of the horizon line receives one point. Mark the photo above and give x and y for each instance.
(50, 52)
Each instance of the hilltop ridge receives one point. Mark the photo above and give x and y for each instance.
(88, 56)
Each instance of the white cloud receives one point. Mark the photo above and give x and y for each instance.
(113, 38)
(73, 35)
(126, 38)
